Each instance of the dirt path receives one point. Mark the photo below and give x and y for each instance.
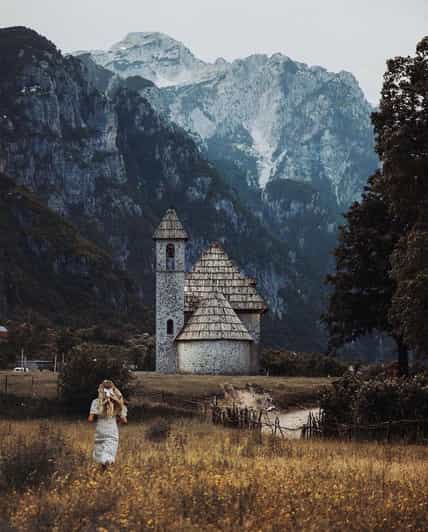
(292, 421)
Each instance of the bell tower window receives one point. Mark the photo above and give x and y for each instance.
(170, 327)
(170, 257)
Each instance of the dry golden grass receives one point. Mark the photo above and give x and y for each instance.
(207, 478)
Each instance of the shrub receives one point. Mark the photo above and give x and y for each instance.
(18, 407)
(292, 364)
(158, 431)
(368, 400)
(30, 462)
(82, 374)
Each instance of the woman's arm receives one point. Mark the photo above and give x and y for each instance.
(93, 411)
(123, 418)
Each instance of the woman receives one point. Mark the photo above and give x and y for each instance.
(106, 409)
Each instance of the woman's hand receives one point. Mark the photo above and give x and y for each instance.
(91, 418)
(123, 420)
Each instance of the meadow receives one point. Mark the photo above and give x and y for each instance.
(193, 476)
(286, 391)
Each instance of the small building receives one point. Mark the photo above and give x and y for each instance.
(208, 319)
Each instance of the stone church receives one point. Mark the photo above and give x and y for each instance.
(207, 320)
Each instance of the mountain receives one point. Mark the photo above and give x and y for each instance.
(154, 56)
(268, 116)
(48, 268)
(95, 150)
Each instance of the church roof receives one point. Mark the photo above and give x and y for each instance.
(170, 228)
(215, 272)
(214, 319)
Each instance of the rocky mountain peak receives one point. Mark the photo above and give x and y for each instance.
(149, 39)
(268, 116)
(154, 56)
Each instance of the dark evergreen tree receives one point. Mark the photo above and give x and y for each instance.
(381, 274)
(401, 127)
(362, 286)
(410, 301)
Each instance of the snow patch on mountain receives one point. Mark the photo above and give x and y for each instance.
(270, 116)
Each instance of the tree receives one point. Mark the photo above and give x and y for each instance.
(410, 300)
(29, 337)
(362, 287)
(401, 127)
(82, 374)
(380, 281)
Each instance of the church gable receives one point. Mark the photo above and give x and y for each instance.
(215, 272)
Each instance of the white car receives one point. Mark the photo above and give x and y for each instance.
(20, 369)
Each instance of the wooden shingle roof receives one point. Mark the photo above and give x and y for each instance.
(215, 272)
(214, 319)
(170, 228)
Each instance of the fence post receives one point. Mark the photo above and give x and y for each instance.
(5, 385)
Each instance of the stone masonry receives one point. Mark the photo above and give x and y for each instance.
(170, 279)
(207, 320)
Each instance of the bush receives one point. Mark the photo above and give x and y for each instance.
(18, 407)
(292, 364)
(82, 374)
(158, 431)
(356, 399)
(31, 462)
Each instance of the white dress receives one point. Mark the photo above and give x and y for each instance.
(106, 435)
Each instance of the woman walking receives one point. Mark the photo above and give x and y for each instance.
(106, 409)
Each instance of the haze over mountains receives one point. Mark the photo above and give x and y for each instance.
(262, 154)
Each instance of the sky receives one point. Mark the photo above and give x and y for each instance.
(353, 35)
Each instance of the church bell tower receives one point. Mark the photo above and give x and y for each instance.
(170, 240)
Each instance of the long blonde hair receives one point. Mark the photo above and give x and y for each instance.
(110, 399)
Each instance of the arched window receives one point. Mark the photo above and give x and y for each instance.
(170, 327)
(170, 257)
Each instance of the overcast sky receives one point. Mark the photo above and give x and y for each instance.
(354, 35)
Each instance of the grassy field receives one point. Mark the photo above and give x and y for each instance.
(203, 478)
(286, 391)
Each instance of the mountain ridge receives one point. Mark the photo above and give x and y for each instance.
(274, 117)
(111, 164)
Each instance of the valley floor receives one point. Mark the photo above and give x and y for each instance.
(287, 392)
(200, 477)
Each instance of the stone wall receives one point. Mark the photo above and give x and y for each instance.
(169, 304)
(251, 320)
(214, 356)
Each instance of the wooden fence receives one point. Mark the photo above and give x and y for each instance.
(27, 385)
(402, 430)
(234, 416)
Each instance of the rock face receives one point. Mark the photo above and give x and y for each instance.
(95, 150)
(270, 116)
(154, 56)
(47, 267)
